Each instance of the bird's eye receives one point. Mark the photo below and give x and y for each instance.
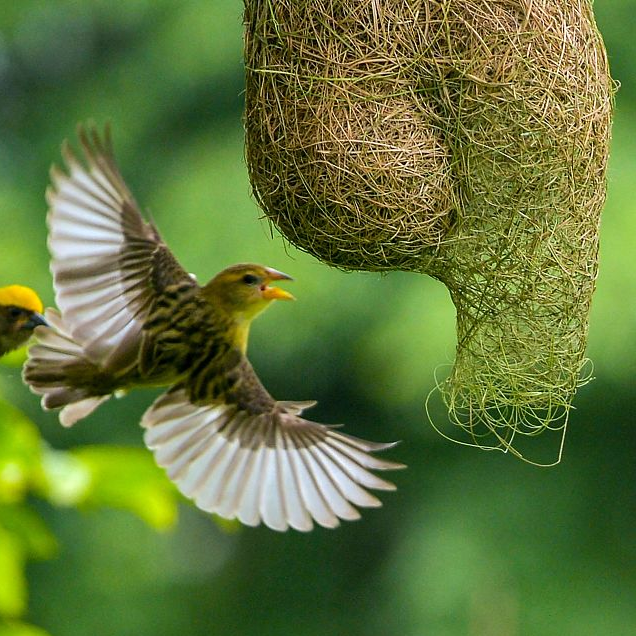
(250, 279)
(15, 312)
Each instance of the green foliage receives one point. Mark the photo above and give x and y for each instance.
(20, 454)
(88, 477)
(14, 359)
(126, 478)
(14, 628)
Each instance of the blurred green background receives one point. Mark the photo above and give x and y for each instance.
(472, 543)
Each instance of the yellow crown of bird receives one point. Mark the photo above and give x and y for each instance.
(21, 297)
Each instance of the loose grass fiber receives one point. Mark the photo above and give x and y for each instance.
(463, 139)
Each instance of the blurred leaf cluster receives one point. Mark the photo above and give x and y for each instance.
(84, 478)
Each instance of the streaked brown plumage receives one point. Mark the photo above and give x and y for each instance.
(130, 315)
(20, 314)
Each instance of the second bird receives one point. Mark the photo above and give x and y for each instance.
(20, 314)
(130, 316)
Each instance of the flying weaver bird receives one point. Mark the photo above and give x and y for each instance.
(132, 316)
(20, 314)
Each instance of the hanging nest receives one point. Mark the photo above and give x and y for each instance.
(463, 139)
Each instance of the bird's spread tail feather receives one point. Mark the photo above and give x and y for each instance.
(52, 370)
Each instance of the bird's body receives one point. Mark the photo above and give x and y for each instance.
(132, 316)
(20, 313)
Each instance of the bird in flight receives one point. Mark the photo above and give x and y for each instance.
(131, 316)
(20, 314)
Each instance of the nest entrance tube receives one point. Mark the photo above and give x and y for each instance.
(462, 139)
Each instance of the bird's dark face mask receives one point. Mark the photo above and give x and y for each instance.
(33, 320)
(18, 320)
(16, 326)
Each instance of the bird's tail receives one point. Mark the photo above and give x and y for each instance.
(58, 370)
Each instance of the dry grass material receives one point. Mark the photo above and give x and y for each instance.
(463, 139)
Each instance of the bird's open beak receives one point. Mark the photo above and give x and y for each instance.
(275, 293)
(34, 320)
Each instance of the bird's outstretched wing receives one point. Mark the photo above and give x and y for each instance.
(273, 467)
(108, 263)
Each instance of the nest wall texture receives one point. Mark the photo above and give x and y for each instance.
(459, 138)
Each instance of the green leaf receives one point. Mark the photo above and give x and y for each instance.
(128, 478)
(28, 529)
(64, 480)
(20, 453)
(14, 358)
(13, 588)
(15, 628)
(229, 526)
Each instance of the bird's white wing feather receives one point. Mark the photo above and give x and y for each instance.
(274, 468)
(102, 253)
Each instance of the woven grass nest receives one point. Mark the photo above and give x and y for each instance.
(463, 139)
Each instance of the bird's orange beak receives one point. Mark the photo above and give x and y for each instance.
(275, 293)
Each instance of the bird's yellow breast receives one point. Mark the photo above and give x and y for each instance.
(238, 335)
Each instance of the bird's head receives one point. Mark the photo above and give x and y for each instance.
(20, 314)
(244, 290)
